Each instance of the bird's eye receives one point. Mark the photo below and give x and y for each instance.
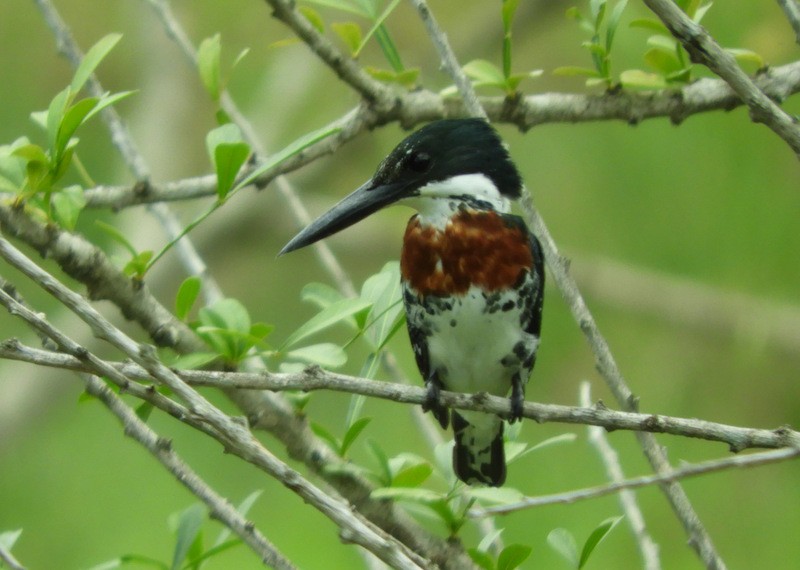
(418, 162)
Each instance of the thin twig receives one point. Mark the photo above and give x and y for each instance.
(328, 260)
(606, 364)
(792, 11)
(739, 461)
(265, 410)
(648, 549)
(449, 61)
(704, 49)
(235, 436)
(737, 438)
(160, 447)
(702, 96)
(8, 559)
(126, 146)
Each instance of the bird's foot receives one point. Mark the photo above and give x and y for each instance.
(433, 402)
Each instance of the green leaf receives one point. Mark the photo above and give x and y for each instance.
(328, 437)
(575, 14)
(513, 81)
(383, 461)
(350, 34)
(383, 292)
(406, 78)
(67, 205)
(388, 48)
(208, 65)
(481, 558)
(562, 541)
(663, 62)
(55, 115)
(137, 266)
(107, 100)
(72, 119)
(569, 70)
(313, 17)
(596, 538)
(382, 37)
(331, 315)
(186, 296)
(412, 476)
(410, 494)
(224, 317)
(189, 524)
(320, 294)
(352, 434)
(143, 411)
(613, 23)
(116, 235)
(243, 508)
(516, 451)
(598, 10)
(651, 25)
(496, 495)
(9, 538)
(508, 10)
(639, 78)
(326, 354)
(91, 60)
(196, 561)
(31, 153)
(194, 360)
(296, 147)
(747, 56)
(485, 73)
(228, 153)
(513, 556)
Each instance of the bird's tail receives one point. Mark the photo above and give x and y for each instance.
(478, 456)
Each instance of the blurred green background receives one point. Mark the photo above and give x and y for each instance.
(714, 202)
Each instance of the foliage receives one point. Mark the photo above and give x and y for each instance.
(35, 173)
(190, 552)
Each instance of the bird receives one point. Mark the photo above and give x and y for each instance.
(472, 276)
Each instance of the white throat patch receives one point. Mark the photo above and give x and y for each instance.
(437, 201)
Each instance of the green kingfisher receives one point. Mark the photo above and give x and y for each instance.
(472, 276)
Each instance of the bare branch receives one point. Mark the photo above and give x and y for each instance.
(8, 559)
(792, 11)
(704, 49)
(449, 61)
(348, 70)
(739, 461)
(234, 435)
(737, 438)
(648, 549)
(607, 366)
(633, 107)
(159, 447)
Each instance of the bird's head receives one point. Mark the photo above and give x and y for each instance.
(448, 161)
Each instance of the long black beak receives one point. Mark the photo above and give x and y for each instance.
(368, 199)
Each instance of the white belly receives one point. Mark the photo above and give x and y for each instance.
(472, 344)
